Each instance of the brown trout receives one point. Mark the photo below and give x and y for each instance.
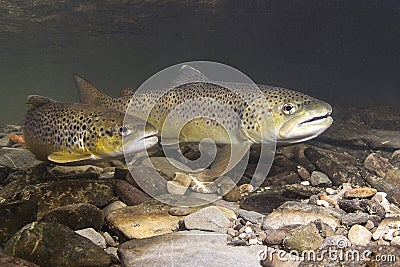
(281, 115)
(68, 132)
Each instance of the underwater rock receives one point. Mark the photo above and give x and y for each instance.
(129, 193)
(351, 219)
(359, 235)
(55, 194)
(320, 179)
(266, 201)
(349, 134)
(77, 216)
(143, 177)
(393, 177)
(303, 190)
(59, 170)
(113, 206)
(360, 192)
(276, 236)
(187, 248)
(385, 226)
(377, 164)
(18, 159)
(10, 261)
(93, 236)
(52, 244)
(284, 178)
(292, 212)
(147, 219)
(179, 184)
(15, 215)
(208, 219)
(305, 237)
(250, 216)
(390, 187)
(326, 162)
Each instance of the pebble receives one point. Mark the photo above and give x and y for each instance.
(320, 179)
(303, 173)
(208, 219)
(246, 188)
(330, 191)
(361, 192)
(233, 232)
(112, 251)
(395, 242)
(251, 216)
(113, 206)
(380, 197)
(110, 240)
(253, 241)
(93, 236)
(248, 230)
(305, 183)
(179, 211)
(350, 219)
(369, 225)
(359, 235)
(304, 237)
(179, 184)
(322, 203)
(377, 164)
(339, 241)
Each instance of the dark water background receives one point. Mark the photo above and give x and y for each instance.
(345, 52)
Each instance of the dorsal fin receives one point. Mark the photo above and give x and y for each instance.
(188, 74)
(88, 93)
(37, 100)
(127, 92)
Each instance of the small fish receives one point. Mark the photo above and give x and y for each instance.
(69, 132)
(293, 116)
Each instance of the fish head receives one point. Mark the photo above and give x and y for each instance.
(298, 117)
(118, 136)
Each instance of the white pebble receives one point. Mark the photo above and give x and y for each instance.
(323, 203)
(248, 230)
(243, 236)
(253, 241)
(330, 191)
(305, 183)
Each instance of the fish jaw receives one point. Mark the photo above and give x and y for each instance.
(136, 146)
(306, 125)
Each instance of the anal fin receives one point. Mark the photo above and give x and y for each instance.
(65, 157)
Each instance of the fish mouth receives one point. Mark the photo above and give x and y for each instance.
(317, 119)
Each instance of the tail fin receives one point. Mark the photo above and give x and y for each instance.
(88, 93)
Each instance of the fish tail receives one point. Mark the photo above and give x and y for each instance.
(88, 93)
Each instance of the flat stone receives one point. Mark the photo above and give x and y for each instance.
(279, 258)
(71, 170)
(320, 179)
(359, 235)
(148, 179)
(55, 194)
(291, 213)
(350, 219)
(14, 215)
(305, 237)
(147, 219)
(93, 236)
(180, 211)
(51, 244)
(18, 159)
(11, 261)
(383, 185)
(274, 198)
(377, 164)
(361, 192)
(276, 236)
(129, 194)
(393, 177)
(76, 216)
(251, 216)
(208, 219)
(326, 162)
(187, 248)
(113, 206)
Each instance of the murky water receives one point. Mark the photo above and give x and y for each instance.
(345, 52)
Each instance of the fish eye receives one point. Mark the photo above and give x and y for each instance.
(124, 130)
(288, 108)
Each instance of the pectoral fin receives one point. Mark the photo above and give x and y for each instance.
(65, 157)
(227, 158)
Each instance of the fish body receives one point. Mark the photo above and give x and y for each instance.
(68, 132)
(280, 114)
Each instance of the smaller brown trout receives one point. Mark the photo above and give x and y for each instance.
(68, 132)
